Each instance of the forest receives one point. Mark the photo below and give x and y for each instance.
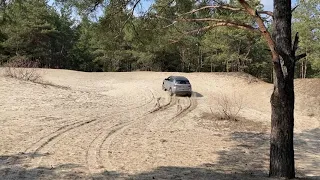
(113, 37)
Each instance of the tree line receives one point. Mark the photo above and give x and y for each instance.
(152, 41)
(177, 35)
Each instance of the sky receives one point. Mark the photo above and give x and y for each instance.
(268, 4)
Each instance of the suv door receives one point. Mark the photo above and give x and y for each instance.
(170, 83)
(167, 83)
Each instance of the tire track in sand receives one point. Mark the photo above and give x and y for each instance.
(109, 138)
(45, 140)
(38, 145)
(94, 151)
(94, 158)
(192, 104)
(172, 102)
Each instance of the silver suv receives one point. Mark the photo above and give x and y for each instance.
(179, 85)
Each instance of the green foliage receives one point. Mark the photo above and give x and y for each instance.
(156, 41)
(38, 32)
(307, 23)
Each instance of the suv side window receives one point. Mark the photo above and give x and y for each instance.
(182, 82)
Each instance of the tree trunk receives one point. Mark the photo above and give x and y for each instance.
(282, 99)
(182, 55)
(305, 67)
(282, 122)
(238, 59)
(301, 69)
(227, 66)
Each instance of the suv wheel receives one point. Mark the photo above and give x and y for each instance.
(170, 92)
(163, 88)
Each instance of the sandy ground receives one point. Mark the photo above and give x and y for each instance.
(108, 126)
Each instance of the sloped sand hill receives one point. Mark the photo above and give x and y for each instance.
(109, 126)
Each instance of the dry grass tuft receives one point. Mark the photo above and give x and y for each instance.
(19, 67)
(229, 107)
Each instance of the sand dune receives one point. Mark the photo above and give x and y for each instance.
(108, 126)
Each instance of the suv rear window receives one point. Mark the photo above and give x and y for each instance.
(182, 82)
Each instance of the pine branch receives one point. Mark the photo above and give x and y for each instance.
(226, 7)
(222, 23)
(262, 28)
(225, 23)
(297, 58)
(295, 43)
(293, 9)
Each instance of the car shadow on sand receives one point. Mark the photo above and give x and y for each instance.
(196, 94)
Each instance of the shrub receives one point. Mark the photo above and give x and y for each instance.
(21, 68)
(229, 107)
